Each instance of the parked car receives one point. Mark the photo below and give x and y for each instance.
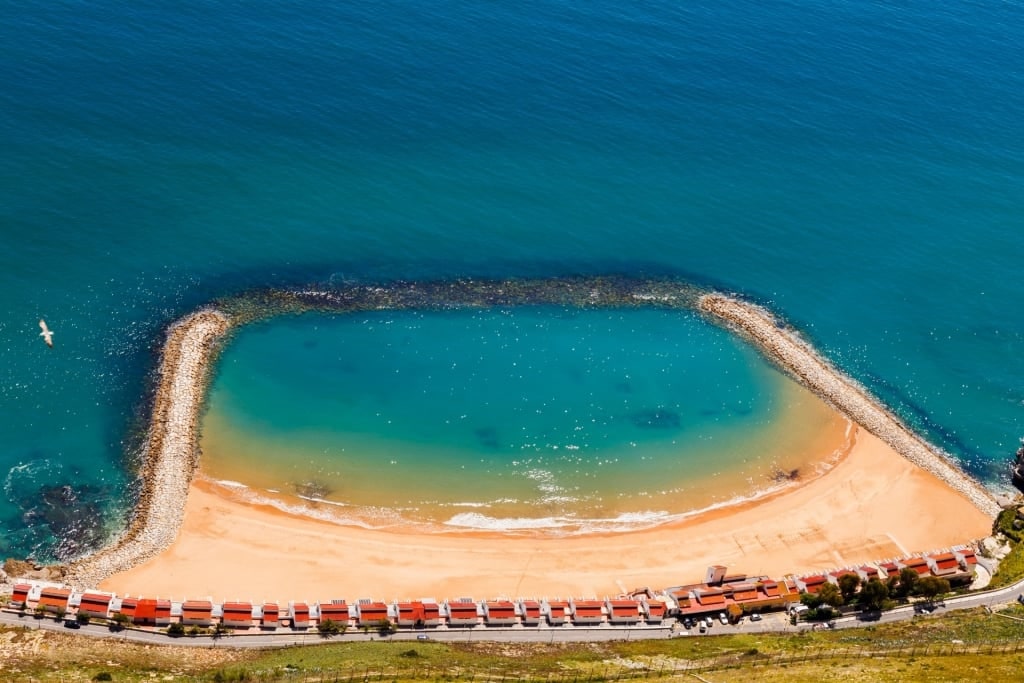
(72, 623)
(703, 627)
(756, 616)
(722, 618)
(709, 622)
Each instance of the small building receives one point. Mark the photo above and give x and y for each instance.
(587, 612)
(967, 559)
(54, 599)
(943, 564)
(557, 612)
(335, 610)
(19, 598)
(918, 564)
(371, 612)
(500, 613)
(621, 611)
(709, 598)
(744, 592)
(418, 613)
(298, 613)
(866, 573)
(151, 612)
(127, 607)
(654, 611)
(197, 612)
(270, 616)
(811, 584)
(237, 614)
(95, 605)
(529, 612)
(463, 612)
(833, 577)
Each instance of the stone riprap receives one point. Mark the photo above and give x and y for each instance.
(797, 357)
(171, 451)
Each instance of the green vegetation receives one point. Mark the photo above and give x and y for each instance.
(958, 646)
(329, 627)
(83, 618)
(1011, 567)
(175, 630)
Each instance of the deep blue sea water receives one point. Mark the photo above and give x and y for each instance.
(859, 166)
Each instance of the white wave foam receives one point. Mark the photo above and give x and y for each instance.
(230, 484)
(475, 520)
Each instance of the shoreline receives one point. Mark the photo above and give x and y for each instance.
(171, 453)
(868, 507)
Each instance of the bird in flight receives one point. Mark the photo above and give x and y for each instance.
(46, 334)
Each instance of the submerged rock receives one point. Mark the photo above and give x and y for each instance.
(657, 419)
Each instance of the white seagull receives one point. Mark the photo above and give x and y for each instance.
(46, 334)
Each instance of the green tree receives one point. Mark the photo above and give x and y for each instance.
(385, 627)
(59, 614)
(873, 595)
(175, 630)
(83, 618)
(848, 585)
(907, 581)
(811, 600)
(932, 586)
(328, 628)
(830, 595)
(118, 621)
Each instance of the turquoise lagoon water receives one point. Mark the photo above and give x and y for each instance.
(858, 166)
(532, 417)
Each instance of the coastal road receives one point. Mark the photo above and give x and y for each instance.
(771, 623)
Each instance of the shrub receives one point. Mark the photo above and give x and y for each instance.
(103, 676)
(175, 630)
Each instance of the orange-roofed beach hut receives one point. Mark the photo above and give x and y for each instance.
(529, 611)
(95, 605)
(335, 610)
(967, 559)
(654, 611)
(943, 564)
(270, 616)
(197, 612)
(587, 612)
(811, 584)
(54, 599)
(298, 612)
(462, 614)
(709, 597)
(918, 564)
(237, 614)
(19, 598)
(128, 606)
(867, 572)
(622, 611)
(151, 612)
(370, 613)
(557, 611)
(499, 613)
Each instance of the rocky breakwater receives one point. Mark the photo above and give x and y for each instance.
(787, 349)
(171, 451)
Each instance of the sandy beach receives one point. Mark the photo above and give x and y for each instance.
(872, 505)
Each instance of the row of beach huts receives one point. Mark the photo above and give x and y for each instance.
(720, 593)
(424, 613)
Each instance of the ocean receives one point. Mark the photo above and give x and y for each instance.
(856, 166)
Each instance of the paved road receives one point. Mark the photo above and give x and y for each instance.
(771, 623)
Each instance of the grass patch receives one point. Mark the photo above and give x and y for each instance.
(936, 647)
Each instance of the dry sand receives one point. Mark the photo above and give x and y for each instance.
(872, 505)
